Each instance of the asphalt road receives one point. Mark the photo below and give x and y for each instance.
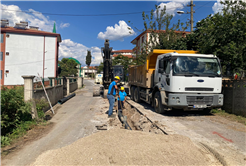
(72, 122)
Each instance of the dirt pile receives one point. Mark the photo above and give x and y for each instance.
(125, 147)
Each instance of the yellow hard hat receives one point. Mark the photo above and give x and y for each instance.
(122, 88)
(117, 77)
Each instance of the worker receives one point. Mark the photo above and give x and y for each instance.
(111, 95)
(121, 98)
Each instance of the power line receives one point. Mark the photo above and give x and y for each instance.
(29, 62)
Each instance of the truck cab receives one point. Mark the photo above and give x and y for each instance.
(189, 81)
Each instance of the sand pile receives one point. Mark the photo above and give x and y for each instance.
(125, 147)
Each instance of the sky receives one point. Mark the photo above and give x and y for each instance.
(82, 33)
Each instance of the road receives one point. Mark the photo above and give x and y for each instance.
(223, 136)
(74, 120)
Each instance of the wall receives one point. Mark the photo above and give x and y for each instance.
(73, 86)
(26, 57)
(3, 60)
(235, 96)
(54, 93)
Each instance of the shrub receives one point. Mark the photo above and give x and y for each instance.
(40, 106)
(13, 109)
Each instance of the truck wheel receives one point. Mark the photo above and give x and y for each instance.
(132, 93)
(207, 110)
(157, 103)
(136, 95)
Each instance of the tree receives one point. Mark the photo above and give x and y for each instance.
(88, 59)
(100, 68)
(124, 61)
(162, 34)
(68, 67)
(224, 34)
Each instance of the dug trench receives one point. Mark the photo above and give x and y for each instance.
(137, 121)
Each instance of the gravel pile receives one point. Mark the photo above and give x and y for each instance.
(125, 147)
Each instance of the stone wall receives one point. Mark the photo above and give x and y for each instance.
(235, 96)
(54, 93)
(73, 86)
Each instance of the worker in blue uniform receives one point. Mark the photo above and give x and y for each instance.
(121, 98)
(111, 95)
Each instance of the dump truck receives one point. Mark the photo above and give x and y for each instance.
(177, 79)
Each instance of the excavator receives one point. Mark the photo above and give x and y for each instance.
(109, 71)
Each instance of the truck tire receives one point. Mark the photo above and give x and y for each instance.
(132, 93)
(207, 110)
(157, 103)
(137, 95)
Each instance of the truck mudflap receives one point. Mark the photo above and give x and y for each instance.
(195, 101)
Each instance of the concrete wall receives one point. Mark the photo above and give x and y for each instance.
(55, 93)
(26, 57)
(235, 97)
(73, 86)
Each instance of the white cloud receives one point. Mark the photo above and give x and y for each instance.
(173, 6)
(69, 48)
(64, 25)
(35, 18)
(217, 7)
(118, 32)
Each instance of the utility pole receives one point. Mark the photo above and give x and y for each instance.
(191, 15)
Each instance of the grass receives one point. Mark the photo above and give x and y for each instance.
(233, 117)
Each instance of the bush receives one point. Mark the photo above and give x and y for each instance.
(40, 106)
(13, 109)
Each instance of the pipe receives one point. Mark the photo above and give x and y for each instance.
(66, 98)
(123, 121)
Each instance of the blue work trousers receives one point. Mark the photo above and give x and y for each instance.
(111, 100)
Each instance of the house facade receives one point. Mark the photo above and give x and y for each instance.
(141, 40)
(27, 51)
(127, 53)
(85, 71)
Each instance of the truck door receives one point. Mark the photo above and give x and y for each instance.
(165, 78)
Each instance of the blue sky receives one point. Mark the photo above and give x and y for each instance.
(82, 33)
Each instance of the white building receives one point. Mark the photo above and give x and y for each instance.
(85, 72)
(127, 53)
(27, 51)
(141, 40)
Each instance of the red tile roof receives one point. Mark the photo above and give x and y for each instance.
(29, 31)
(122, 51)
(129, 56)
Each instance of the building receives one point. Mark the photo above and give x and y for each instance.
(144, 37)
(127, 53)
(85, 72)
(27, 51)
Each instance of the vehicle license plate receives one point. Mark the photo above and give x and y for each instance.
(199, 106)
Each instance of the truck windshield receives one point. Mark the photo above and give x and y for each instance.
(196, 66)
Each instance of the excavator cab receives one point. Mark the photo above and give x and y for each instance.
(118, 70)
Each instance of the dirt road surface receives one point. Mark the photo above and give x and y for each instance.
(224, 137)
(74, 120)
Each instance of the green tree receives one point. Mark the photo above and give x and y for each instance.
(124, 61)
(88, 58)
(224, 34)
(162, 34)
(100, 68)
(68, 67)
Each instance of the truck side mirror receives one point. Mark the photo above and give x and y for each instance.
(160, 70)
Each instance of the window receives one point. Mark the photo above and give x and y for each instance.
(1, 56)
(1, 38)
(1, 74)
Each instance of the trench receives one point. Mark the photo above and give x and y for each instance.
(137, 121)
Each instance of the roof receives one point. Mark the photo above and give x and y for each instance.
(119, 51)
(129, 56)
(75, 60)
(148, 31)
(31, 32)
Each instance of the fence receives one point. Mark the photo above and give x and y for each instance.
(59, 87)
(234, 96)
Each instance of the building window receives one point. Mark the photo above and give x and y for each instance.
(1, 74)
(142, 39)
(1, 38)
(1, 56)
